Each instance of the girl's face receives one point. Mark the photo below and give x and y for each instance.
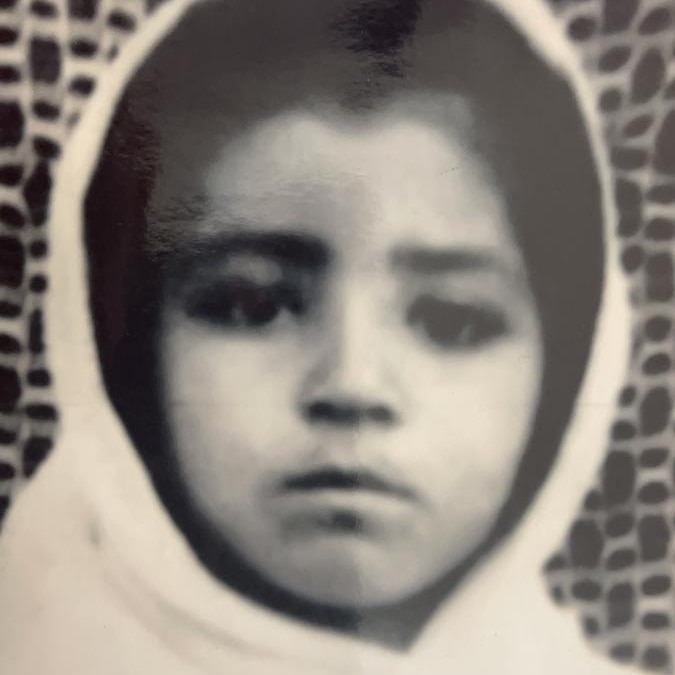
(350, 352)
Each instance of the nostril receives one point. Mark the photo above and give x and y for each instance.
(381, 413)
(333, 413)
(345, 413)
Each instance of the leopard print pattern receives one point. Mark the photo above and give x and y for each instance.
(614, 570)
(616, 567)
(51, 53)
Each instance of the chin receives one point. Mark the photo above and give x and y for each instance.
(344, 582)
(361, 596)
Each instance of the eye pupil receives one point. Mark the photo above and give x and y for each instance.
(241, 305)
(457, 330)
(256, 308)
(449, 324)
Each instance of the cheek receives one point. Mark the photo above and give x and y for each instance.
(228, 401)
(477, 412)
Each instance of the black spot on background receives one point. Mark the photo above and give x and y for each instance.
(656, 585)
(38, 283)
(38, 249)
(632, 257)
(623, 430)
(9, 309)
(655, 621)
(610, 100)
(662, 194)
(582, 28)
(638, 126)
(35, 452)
(558, 594)
(9, 344)
(46, 148)
(4, 505)
(45, 60)
(618, 479)
(653, 457)
(36, 193)
(591, 626)
(657, 364)
(11, 174)
(11, 124)
(593, 501)
(664, 149)
(628, 195)
(12, 262)
(656, 21)
(629, 159)
(653, 536)
(10, 215)
(614, 58)
(83, 48)
(618, 16)
(82, 9)
(624, 651)
(45, 110)
(8, 36)
(669, 91)
(9, 74)
(7, 436)
(36, 332)
(659, 279)
(10, 389)
(655, 657)
(619, 525)
(660, 229)
(82, 86)
(586, 544)
(653, 493)
(627, 396)
(621, 559)
(41, 412)
(586, 590)
(43, 9)
(629, 224)
(657, 328)
(621, 599)
(122, 21)
(39, 378)
(7, 471)
(556, 563)
(655, 411)
(648, 76)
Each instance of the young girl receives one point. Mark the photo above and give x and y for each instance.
(345, 267)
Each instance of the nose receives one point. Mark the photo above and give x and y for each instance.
(350, 382)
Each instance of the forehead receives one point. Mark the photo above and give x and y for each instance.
(408, 171)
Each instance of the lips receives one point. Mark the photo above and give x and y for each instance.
(347, 480)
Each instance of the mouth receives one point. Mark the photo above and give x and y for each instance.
(350, 481)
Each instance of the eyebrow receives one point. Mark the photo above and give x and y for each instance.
(309, 252)
(298, 250)
(432, 261)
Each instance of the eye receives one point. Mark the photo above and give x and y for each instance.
(453, 325)
(241, 305)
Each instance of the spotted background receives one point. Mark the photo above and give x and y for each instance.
(615, 569)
